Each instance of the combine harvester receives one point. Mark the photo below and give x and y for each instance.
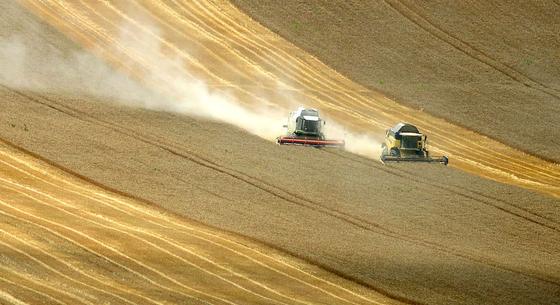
(404, 143)
(305, 128)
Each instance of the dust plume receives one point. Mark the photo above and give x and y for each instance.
(157, 77)
(362, 144)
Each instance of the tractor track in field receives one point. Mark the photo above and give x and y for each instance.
(22, 287)
(501, 163)
(446, 135)
(91, 241)
(201, 238)
(416, 17)
(217, 244)
(320, 95)
(322, 81)
(175, 287)
(200, 223)
(49, 267)
(325, 81)
(540, 219)
(183, 152)
(115, 226)
(478, 153)
(59, 264)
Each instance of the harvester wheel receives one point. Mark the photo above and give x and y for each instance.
(395, 152)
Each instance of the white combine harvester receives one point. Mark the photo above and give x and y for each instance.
(305, 127)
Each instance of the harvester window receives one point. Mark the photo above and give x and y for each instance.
(310, 126)
(410, 142)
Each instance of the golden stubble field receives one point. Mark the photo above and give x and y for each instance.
(148, 220)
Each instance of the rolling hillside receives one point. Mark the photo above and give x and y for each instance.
(491, 66)
(108, 120)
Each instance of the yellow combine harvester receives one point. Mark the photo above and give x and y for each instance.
(405, 143)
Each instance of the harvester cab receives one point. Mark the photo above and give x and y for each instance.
(404, 142)
(305, 127)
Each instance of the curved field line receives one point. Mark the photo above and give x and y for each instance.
(185, 55)
(107, 54)
(128, 228)
(153, 245)
(254, 97)
(101, 36)
(107, 246)
(367, 225)
(39, 283)
(319, 207)
(320, 96)
(21, 286)
(324, 93)
(314, 81)
(271, 50)
(142, 232)
(55, 224)
(474, 152)
(469, 49)
(10, 298)
(129, 52)
(195, 27)
(167, 220)
(465, 193)
(178, 51)
(184, 249)
(194, 61)
(84, 274)
(249, 41)
(495, 164)
(119, 128)
(331, 84)
(178, 246)
(400, 113)
(220, 39)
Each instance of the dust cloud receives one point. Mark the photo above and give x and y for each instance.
(29, 61)
(358, 143)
